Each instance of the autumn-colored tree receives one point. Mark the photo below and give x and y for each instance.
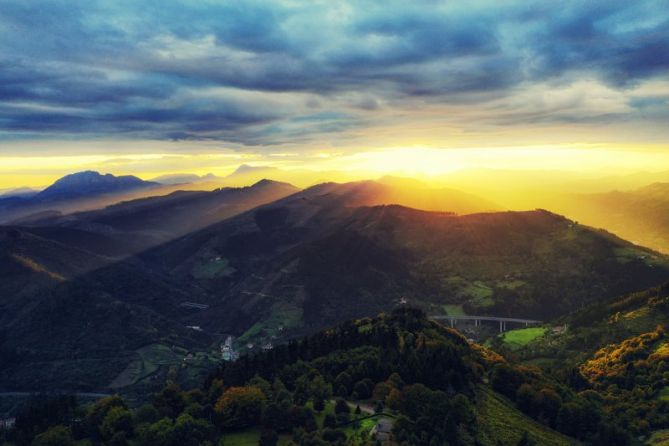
(393, 400)
(381, 391)
(239, 407)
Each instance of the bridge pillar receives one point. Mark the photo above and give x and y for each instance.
(500, 326)
(452, 322)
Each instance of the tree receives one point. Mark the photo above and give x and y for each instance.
(279, 390)
(610, 435)
(394, 399)
(146, 414)
(189, 431)
(170, 401)
(506, 380)
(549, 402)
(215, 390)
(526, 398)
(100, 410)
(320, 391)
(396, 381)
(119, 439)
(239, 407)
(160, 433)
(341, 406)
(118, 419)
(263, 385)
(194, 396)
(55, 436)
(343, 384)
(275, 416)
(333, 436)
(381, 391)
(363, 389)
(463, 410)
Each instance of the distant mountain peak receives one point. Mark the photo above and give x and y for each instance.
(90, 183)
(265, 182)
(245, 169)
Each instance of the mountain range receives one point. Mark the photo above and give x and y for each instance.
(75, 191)
(267, 263)
(140, 223)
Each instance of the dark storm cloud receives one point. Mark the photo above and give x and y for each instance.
(252, 72)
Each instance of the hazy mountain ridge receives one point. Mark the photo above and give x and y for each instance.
(77, 190)
(641, 215)
(90, 183)
(144, 222)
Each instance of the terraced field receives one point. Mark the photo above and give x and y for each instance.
(149, 360)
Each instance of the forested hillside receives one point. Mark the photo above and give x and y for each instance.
(425, 382)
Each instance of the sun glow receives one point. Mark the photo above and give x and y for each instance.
(429, 163)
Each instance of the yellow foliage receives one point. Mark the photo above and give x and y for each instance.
(612, 360)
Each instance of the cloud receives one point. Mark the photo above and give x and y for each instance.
(262, 73)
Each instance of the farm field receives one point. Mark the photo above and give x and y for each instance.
(516, 339)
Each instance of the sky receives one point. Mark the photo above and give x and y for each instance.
(422, 87)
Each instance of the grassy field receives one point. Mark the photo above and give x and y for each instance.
(515, 339)
(499, 420)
